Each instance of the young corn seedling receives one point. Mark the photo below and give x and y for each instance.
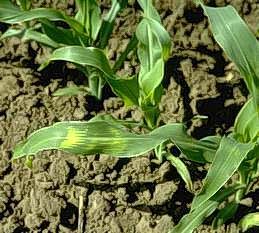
(105, 135)
(239, 151)
(145, 89)
(86, 29)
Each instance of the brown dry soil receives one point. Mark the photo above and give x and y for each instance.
(116, 195)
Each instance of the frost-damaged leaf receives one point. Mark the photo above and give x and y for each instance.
(15, 16)
(227, 160)
(192, 220)
(247, 123)
(97, 137)
(238, 42)
(127, 89)
(250, 220)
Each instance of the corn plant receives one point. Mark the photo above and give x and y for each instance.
(239, 151)
(86, 29)
(105, 135)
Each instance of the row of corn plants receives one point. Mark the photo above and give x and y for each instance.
(85, 46)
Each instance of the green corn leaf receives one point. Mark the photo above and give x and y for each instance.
(200, 151)
(30, 34)
(132, 45)
(108, 22)
(152, 79)
(127, 89)
(125, 124)
(89, 15)
(62, 36)
(225, 214)
(153, 19)
(71, 91)
(195, 218)
(248, 221)
(14, 16)
(12, 32)
(238, 42)
(181, 169)
(227, 160)
(210, 145)
(89, 56)
(25, 4)
(154, 48)
(98, 137)
(247, 123)
(149, 10)
(7, 9)
(95, 83)
(162, 36)
(150, 50)
(151, 72)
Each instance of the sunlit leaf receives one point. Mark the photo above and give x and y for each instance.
(149, 10)
(71, 91)
(153, 49)
(181, 169)
(247, 123)
(190, 221)
(200, 151)
(162, 36)
(153, 19)
(14, 16)
(12, 32)
(227, 160)
(108, 21)
(238, 42)
(89, 15)
(60, 35)
(125, 124)
(123, 56)
(250, 220)
(127, 89)
(7, 9)
(98, 137)
(33, 35)
(25, 4)
(225, 214)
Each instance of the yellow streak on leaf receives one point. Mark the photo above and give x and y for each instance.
(73, 138)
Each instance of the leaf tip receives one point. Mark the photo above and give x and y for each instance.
(43, 66)
(18, 151)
